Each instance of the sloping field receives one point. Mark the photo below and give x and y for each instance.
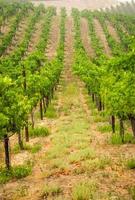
(67, 101)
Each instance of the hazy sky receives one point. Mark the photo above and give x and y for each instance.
(124, 0)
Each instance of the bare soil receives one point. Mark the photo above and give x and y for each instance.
(86, 37)
(36, 35)
(18, 36)
(101, 35)
(5, 28)
(113, 32)
(54, 38)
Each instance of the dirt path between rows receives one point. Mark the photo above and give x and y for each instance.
(5, 28)
(113, 32)
(86, 37)
(101, 35)
(54, 38)
(19, 35)
(36, 34)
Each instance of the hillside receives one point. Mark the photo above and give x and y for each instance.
(67, 101)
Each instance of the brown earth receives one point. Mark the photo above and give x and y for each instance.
(53, 43)
(86, 37)
(113, 32)
(36, 34)
(18, 35)
(5, 27)
(101, 35)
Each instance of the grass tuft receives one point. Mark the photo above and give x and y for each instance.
(131, 163)
(33, 149)
(132, 192)
(58, 164)
(117, 140)
(105, 128)
(84, 191)
(51, 112)
(51, 190)
(17, 172)
(81, 155)
(39, 132)
(36, 148)
(90, 166)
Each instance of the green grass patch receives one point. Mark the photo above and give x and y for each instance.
(39, 132)
(51, 191)
(76, 126)
(84, 190)
(98, 163)
(58, 151)
(81, 155)
(17, 172)
(90, 166)
(132, 192)
(131, 163)
(36, 148)
(16, 149)
(33, 149)
(71, 90)
(117, 140)
(51, 112)
(90, 103)
(58, 164)
(100, 118)
(105, 128)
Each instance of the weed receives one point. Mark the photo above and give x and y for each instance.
(132, 192)
(131, 163)
(129, 138)
(117, 140)
(51, 112)
(59, 164)
(79, 170)
(22, 191)
(21, 171)
(105, 128)
(71, 90)
(99, 118)
(33, 149)
(36, 148)
(16, 149)
(56, 152)
(90, 166)
(84, 190)
(81, 155)
(39, 132)
(17, 172)
(51, 190)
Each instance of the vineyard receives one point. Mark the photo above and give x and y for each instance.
(67, 102)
